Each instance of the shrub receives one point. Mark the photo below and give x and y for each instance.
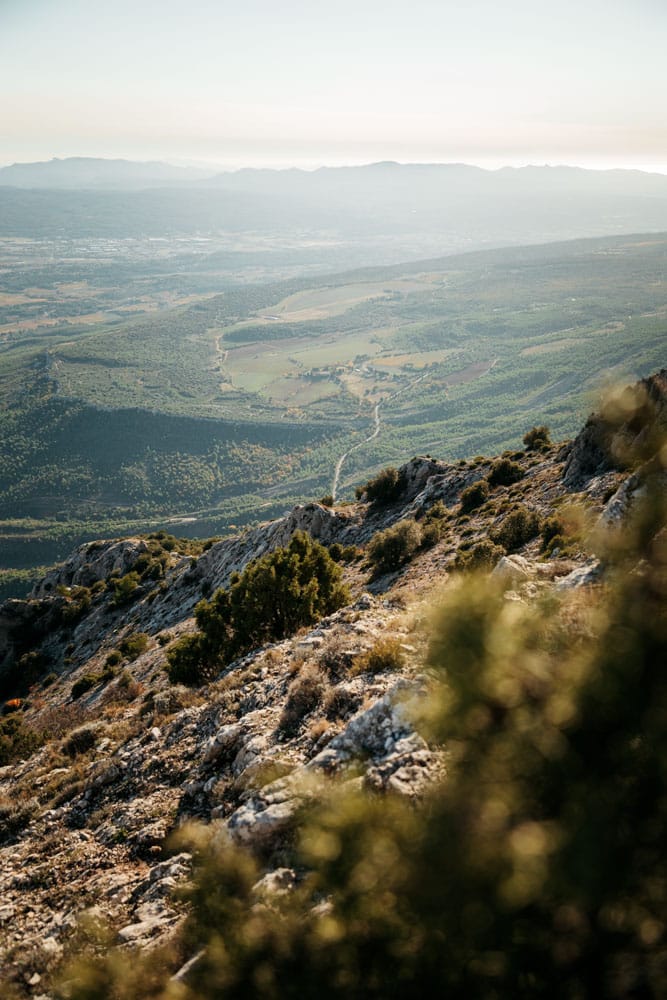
(343, 553)
(17, 740)
(431, 535)
(80, 740)
(437, 512)
(504, 472)
(340, 702)
(303, 695)
(15, 816)
(384, 654)
(84, 684)
(474, 496)
(271, 599)
(551, 527)
(536, 438)
(327, 500)
(518, 528)
(133, 645)
(390, 549)
(114, 658)
(482, 556)
(384, 488)
(124, 589)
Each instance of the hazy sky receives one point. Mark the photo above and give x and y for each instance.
(306, 82)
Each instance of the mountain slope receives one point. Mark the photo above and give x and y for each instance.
(128, 757)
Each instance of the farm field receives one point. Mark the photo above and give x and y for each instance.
(228, 404)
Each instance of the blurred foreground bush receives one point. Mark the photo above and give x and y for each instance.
(536, 869)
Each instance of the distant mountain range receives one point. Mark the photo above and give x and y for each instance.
(90, 172)
(377, 179)
(425, 208)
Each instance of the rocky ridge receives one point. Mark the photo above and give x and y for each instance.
(85, 818)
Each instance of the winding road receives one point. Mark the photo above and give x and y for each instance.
(371, 437)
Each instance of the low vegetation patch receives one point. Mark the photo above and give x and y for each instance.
(390, 549)
(519, 527)
(304, 695)
(271, 599)
(504, 472)
(474, 496)
(384, 655)
(386, 487)
(537, 438)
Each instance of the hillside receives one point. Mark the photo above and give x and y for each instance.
(125, 411)
(104, 758)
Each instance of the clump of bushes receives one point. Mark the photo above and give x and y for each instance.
(271, 599)
(304, 695)
(482, 556)
(519, 527)
(390, 549)
(537, 438)
(80, 740)
(133, 645)
(340, 702)
(384, 488)
(125, 588)
(83, 684)
(384, 654)
(504, 472)
(343, 553)
(474, 496)
(17, 740)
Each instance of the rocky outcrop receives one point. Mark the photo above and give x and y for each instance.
(92, 562)
(624, 433)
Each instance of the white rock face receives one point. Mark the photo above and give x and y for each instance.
(582, 576)
(512, 569)
(92, 562)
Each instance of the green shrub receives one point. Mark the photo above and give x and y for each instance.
(17, 740)
(551, 527)
(437, 512)
(271, 599)
(517, 528)
(504, 472)
(124, 589)
(327, 500)
(192, 662)
(114, 658)
(384, 488)
(390, 549)
(474, 496)
(431, 534)
(133, 645)
(83, 684)
(482, 556)
(536, 438)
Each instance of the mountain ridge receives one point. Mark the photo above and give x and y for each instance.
(125, 757)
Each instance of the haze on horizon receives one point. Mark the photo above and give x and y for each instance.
(307, 83)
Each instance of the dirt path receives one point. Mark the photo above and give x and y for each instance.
(373, 435)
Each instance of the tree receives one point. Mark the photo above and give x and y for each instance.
(272, 598)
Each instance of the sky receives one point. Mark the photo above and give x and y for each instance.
(304, 82)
